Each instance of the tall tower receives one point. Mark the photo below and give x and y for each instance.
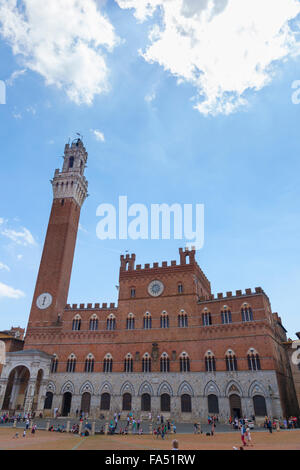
(52, 286)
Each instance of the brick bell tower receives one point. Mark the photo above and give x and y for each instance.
(52, 286)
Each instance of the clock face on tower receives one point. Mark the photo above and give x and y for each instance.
(44, 301)
(155, 288)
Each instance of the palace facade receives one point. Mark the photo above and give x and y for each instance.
(169, 346)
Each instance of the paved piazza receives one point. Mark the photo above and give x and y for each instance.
(45, 440)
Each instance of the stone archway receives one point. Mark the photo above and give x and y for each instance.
(66, 403)
(235, 406)
(16, 389)
(85, 402)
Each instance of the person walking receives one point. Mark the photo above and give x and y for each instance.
(243, 432)
(269, 426)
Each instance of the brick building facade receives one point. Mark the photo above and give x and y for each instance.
(168, 346)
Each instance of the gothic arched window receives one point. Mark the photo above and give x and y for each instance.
(246, 312)
(231, 362)
(71, 363)
(94, 323)
(226, 315)
(206, 318)
(182, 319)
(147, 321)
(130, 322)
(253, 360)
(54, 364)
(128, 363)
(111, 322)
(164, 363)
(146, 363)
(108, 363)
(184, 361)
(76, 324)
(89, 363)
(210, 362)
(164, 320)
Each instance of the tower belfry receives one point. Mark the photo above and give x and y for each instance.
(69, 193)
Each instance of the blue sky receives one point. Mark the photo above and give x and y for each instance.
(163, 143)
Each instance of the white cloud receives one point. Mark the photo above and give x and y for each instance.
(150, 97)
(222, 47)
(98, 134)
(23, 237)
(16, 74)
(63, 41)
(10, 292)
(4, 267)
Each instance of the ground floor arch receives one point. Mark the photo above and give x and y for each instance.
(126, 402)
(165, 402)
(85, 402)
(213, 404)
(146, 402)
(186, 403)
(48, 401)
(16, 389)
(66, 403)
(259, 405)
(235, 406)
(105, 402)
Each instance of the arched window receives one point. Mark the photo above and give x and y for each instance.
(54, 364)
(213, 404)
(71, 363)
(128, 363)
(71, 162)
(94, 323)
(132, 292)
(164, 363)
(247, 314)
(226, 315)
(210, 362)
(89, 363)
(76, 324)
(182, 319)
(130, 322)
(231, 362)
(184, 362)
(126, 402)
(111, 322)
(165, 402)
(206, 318)
(146, 402)
(186, 403)
(108, 363)
(164, 320)
(48, 401)
(147, 321)
(105, 401)
(85, 402)
(146, 363)
(180, 288)
(253, 360)
(259, 404)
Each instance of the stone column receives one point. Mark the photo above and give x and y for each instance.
(42, 396)
(47, 426)
(3, 385)
(15, 393)
(29, 395)
(93, 428)
(68, 426)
